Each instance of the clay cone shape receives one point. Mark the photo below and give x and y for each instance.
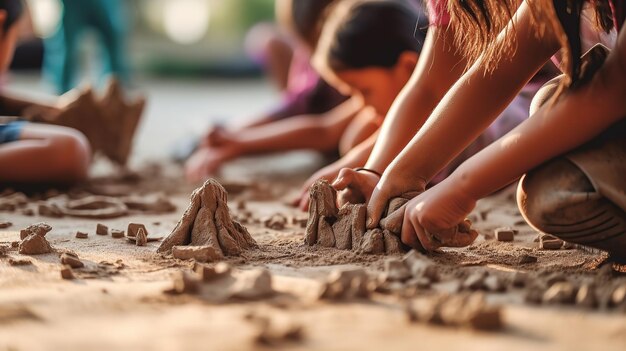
(207, 222)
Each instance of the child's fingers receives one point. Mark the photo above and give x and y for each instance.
(376, 206)
(344, 179)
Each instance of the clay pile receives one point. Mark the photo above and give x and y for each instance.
(347, 284)
(208, 226)
(219, 283)
(33, 241)
(463, 310)
(345, 229)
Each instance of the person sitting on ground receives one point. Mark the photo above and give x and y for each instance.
(285, 53)
(29, 152)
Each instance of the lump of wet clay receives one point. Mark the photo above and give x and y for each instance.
(81, 235)
(586, 296)
(459, 311)
(549, 242)
(254, 285)
(66, 273)
(207, 222)
(373, 242)
(141, 239)
(504, 234)
(347, 284)
(133, 228)
(421, 266)
(396, 270)
(102, 229)
(71, 261)
(560, 293)
(276, 221)
(40, 229)
(198, 253)
(34, 241)
(4, 225)
(210, 273)
(50, 210)
(117, 234)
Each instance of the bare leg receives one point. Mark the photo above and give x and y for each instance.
(44, 153)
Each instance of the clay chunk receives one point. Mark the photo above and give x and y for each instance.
(505, 234)
(102, 229)
(66, 273)
(133, 228)
(34, 241)
(142, 238)
(4, 225)
(71, 261)
(207, 222)
(81, 235)
(198, 253)
(347, 284)
(117, 234)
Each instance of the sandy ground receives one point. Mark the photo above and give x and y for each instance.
(117, 302)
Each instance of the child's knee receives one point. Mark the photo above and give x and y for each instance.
(72, 152)
(544, 94)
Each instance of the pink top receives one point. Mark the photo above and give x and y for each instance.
(438, 13)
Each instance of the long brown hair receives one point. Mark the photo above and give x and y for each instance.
(479, 22)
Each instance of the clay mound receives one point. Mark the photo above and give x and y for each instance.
(207, 222)
(345, 228)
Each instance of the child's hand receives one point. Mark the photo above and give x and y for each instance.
(354, 186)
(206, 161)
(436, 218)
(217, 136)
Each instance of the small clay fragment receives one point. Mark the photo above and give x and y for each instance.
(50, 210)
(505, 234)
(549, 242)
(392, 243)
(273, 334)
(117, 234)
(198, 253)
(15, 244)
(81, 235)
(4, 250)
(525, 259)
(207, 222)
(347, 284)
(4, 225)
(29, 212)
(560, 293)
(141, 239)
(277, 222)
(34, 245)
(396, 270)
(586, 296)
(102, 229)
(153, 204)
(19, 262)
(475, 281)
(322, 205)
(185, 283)
(71, 261)
(208, 273)
(494, 284)
(133, 228)
(66, 273)
(95, 207)
(373, 242)
(618, 297)
(325, 234)
(40, 229)
(254, 285)
(421, 266)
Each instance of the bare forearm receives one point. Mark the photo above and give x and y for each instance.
(438, 68)
(473, 103)
(304, 132)
(554, 130)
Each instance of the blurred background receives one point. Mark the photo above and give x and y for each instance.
(187, 56)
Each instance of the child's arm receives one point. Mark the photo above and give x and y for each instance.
(354, 158)
(576, 118)
(467, 109)
(439, 66)
(321, 133)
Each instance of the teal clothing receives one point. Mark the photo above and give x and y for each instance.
(11, 131)
(108, 19)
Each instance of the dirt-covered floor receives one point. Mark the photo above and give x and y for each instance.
(117, 301)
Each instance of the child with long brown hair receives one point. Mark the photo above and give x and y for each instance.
(572, 149)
